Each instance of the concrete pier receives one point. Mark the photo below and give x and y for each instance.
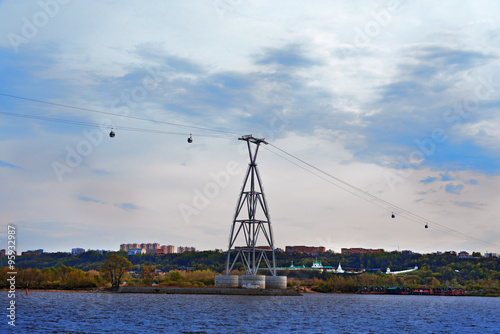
(276, 282)
(252, 281)
(226, 281)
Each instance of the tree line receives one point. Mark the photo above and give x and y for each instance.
(91, 269)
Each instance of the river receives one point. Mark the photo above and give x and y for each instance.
(89, 312)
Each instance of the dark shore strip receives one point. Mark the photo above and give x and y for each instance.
(206, 291)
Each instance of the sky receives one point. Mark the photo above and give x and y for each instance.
(395, 98)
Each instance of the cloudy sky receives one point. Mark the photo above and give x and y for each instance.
(395, 98)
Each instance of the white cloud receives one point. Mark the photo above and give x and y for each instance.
(339, 85)
(484, 133)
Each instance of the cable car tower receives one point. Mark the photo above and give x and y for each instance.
(252, 220)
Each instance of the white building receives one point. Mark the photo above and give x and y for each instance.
(77, 251)
(134, 251)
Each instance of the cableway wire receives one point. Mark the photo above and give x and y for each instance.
(346, 186)
(116, 127)
(114, 114)
(381, 203)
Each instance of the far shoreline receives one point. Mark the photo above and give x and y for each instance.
(147, 289)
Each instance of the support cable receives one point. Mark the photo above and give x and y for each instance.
(114, 114)
(95, 125)
(381, 203)
(376, 200)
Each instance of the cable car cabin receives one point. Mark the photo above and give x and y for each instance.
(190, 139)
(112, 133)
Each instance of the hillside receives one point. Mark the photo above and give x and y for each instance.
(445, 268)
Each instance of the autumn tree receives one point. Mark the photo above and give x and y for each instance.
(114, 268)
(148, 274)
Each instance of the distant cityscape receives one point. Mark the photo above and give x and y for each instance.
(154, 248)
(157, 249)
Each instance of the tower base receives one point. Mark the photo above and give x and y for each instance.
(252, 281)
(226, 281)
(276, 282)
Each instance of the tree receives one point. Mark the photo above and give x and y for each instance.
(148, 274)
(114, 268)
(176, 276)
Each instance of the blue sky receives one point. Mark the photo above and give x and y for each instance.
(398, 98)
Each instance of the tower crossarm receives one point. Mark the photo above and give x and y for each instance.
(252, 139)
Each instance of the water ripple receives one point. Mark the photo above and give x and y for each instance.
(75, 312)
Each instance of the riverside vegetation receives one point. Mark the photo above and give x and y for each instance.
(477, 275)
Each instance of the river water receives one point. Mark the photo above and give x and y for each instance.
(86, 312)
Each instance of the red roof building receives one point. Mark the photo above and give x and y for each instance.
(305, 250)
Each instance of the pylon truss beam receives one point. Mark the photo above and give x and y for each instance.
(251, 198)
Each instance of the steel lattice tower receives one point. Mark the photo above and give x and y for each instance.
(256, 221)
